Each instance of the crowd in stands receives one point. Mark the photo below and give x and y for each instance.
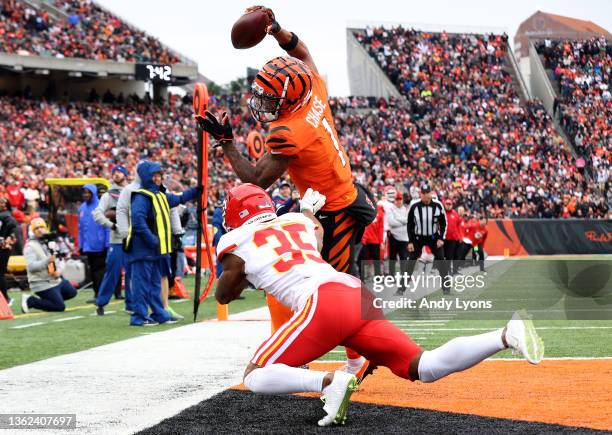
(42, 139)
(89, 32)
(464, 127)
(461, 127)
(85, 139)
(583, 70)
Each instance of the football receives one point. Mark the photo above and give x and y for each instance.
(250, 29)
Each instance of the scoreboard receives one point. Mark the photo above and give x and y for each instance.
(152, 72)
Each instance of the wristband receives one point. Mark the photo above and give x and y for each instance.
(291, 44)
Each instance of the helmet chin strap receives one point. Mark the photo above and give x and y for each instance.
(260, 218)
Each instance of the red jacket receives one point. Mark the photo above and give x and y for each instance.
(374, 233)
(15, 196)
(461, 228)
(453, 232)
(476, 233)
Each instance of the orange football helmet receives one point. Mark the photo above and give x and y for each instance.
(282, 85)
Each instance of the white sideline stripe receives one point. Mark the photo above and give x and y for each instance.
(160, 375)
(27, 325)
(262, 313)
(64, 319)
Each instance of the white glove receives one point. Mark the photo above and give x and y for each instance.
(312, 201)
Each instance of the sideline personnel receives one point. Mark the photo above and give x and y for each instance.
(427, 227)
(149, 243)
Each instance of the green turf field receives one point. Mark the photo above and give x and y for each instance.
(38, 335)
(511, 285)
(570, 300)
(562, 338)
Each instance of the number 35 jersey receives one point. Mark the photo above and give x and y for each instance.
(319, 160)
(281, 258)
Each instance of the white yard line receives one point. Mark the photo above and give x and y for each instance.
(257, 314)
(158, 376)
(27, 325)
(64, 319)
(419, 324)
(421, 321)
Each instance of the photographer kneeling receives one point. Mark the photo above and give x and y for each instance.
(45, 280)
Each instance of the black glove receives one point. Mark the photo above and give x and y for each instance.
(273, 26)
(221, 131)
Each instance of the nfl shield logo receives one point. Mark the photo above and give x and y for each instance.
(243, 213)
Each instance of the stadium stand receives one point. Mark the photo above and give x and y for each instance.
(89, 32)
(461, 123)
(69, 139)
(582, 70)
(464, 126)
(44, 139)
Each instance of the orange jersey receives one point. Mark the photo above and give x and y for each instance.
(320, 160)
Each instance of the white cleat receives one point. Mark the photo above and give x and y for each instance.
(24, 303)
(336, 397)
(522, 337)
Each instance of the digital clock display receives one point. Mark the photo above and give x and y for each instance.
(154, 72)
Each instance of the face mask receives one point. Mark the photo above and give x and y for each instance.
(264, 108)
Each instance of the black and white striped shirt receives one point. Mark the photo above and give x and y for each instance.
(426, 220)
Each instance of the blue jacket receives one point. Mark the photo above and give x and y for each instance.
(92, 237)
(145, 243)
(283, 205)
(217, 222)
(218, 225)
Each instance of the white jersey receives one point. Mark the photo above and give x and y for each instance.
(281, 257)
(386, 205)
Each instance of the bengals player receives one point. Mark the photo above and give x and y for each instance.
(289, 94)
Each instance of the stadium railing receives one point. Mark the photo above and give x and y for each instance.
(540, 84)
(366, 78)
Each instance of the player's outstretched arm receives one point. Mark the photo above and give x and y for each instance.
(287, 40)
(267, 169)
(232, 280)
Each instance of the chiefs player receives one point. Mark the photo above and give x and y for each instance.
(280, 255)
(289, 94)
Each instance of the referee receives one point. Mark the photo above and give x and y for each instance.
(427, 227)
